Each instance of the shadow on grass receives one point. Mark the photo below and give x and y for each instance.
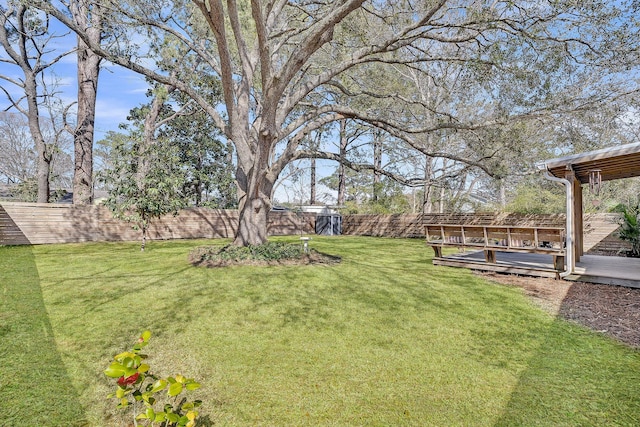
(35, 388)
(576, 379)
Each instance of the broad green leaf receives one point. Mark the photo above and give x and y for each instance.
(139, 346)
(130, 371)
(141, 416)
(180, 379)
(145, 336)
(143, 368)
(193, 386)
(120, 393)
(115, 370)
(122, 355)
(129, 362)
(175, 389)
(158, 385)
(173, 417)
(151, 414)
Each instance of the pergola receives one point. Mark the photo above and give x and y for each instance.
(590, 168)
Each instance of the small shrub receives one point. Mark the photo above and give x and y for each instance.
(630, 228)
(270, 251)
(137, 387)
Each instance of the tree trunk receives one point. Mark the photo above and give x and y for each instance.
(252, 225)
(88, 70)
(312, 197)
(343, 154)
(144, 225)
(255, 185)
(377, 163)
(44, 168)
(44, 157)
(253, 212)
(427, 204)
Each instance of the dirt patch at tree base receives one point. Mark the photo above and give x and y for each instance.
(313, 257)
(612, 310)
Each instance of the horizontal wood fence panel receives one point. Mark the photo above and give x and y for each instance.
(36, 223)
(401, 225)
(601, 234)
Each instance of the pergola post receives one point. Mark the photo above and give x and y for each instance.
(575, 215)
(578, 219)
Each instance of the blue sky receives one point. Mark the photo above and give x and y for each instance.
(119, 90)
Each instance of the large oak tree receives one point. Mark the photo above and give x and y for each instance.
(290, 67)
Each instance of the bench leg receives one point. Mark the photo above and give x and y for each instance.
(437, 250)
(490, 256)
(558, 262)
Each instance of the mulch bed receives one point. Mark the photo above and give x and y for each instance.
(313, 257)
(612, 310)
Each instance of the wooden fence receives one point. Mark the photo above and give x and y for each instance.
(35, 223)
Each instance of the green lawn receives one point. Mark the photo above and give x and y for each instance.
(382, 339)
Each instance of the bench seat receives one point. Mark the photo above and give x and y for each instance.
(496, 238)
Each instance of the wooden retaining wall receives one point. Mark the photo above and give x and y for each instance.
(37, 223)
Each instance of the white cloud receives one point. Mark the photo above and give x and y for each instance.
(112, 111)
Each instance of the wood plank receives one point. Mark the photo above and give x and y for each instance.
(48, 223)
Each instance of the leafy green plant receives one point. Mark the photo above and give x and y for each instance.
(144, 181)
(270, 251)
(139, 388)
(630, 228)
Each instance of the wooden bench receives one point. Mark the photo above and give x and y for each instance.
(498, 238)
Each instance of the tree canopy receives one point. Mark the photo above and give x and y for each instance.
(431, 75)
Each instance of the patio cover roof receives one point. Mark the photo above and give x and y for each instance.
(622, 161)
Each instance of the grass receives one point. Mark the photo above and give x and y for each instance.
(383, 338)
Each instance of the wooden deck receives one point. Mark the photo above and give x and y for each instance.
(608, 270)
(526, 264)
